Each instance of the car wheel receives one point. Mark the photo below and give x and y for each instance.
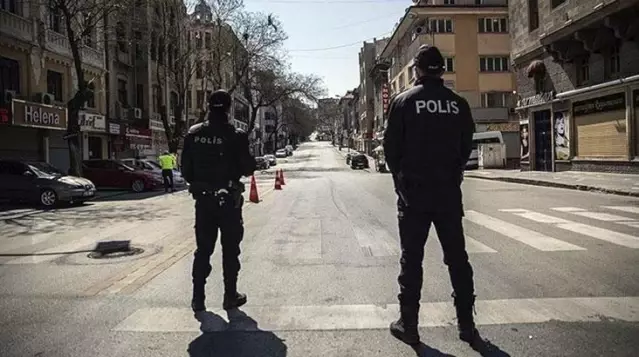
(48, 198)
(137, 186)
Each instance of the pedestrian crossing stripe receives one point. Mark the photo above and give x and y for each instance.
(364, 317)
(628, 209)
(622, 239)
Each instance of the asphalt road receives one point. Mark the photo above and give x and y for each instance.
(556, 273)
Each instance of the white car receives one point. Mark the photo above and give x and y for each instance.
(154, 168)
(281, 153)
(271, 159)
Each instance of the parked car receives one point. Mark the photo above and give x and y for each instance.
(272, 160)
(115, 174)
(42, 183)
(349, 155)
(262, 163)
(281, 153)
(154, 168)
(359, 161)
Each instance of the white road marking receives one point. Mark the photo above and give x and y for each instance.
(537, 217)
(629, 209)
(366, 317)
(475, 246)
(613, 237)
(600, 216)
(523, 235)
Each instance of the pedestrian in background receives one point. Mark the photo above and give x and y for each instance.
(215, 157)
(427, 143)
(167, 163)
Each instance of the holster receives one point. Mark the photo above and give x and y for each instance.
(231, 194)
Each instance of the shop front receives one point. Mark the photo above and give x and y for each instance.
(95, 139)
(34, 132)
(115, 144)
(139, 142)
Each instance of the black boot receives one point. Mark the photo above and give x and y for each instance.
(465, 320)
(234, 300)
(405, 329)
(197, 303)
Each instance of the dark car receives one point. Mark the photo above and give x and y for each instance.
(262, 163)
(349, 156)
(41, 183)
(359, 161)
(115, 174)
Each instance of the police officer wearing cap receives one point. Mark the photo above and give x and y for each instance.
(215, 157)
(427, 143)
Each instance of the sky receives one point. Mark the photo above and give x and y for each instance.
(313, 26)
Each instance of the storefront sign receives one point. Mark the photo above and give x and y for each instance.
(139, 139)
(385, 97)
(562, 138)
(39, 115)
(537, 99)
(606, 103)
(524, 141)
(91, 122)
(114, 129)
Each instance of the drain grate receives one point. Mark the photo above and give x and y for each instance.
(115, 254)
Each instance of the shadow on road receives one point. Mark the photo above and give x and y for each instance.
(240, 337)
(423, 350)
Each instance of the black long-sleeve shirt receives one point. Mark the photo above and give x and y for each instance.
(428, 141)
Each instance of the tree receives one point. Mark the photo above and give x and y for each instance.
(177, 62)
(270, 86)
(83, 22)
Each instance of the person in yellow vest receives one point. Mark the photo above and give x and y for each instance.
(167, 163)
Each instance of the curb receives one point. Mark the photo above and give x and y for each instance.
(533, 182)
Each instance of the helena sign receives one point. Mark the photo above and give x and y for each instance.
(39, 115)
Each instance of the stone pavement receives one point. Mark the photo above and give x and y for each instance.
(619, 184)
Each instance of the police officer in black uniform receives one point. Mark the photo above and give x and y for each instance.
(215, 157)
(427, 143)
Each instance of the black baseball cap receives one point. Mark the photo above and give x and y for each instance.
(220, 99)
(429, 59)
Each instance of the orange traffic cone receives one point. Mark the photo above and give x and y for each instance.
(282, 177)
(278, 185)
(253, 196)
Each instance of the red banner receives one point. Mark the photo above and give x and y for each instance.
(385, 97)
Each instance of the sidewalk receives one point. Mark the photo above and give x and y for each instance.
(619, 184)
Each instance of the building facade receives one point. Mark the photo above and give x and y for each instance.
(474, 40)
(577, 83)
(367, 55)
(38, 78)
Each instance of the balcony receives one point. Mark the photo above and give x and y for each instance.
(58, 43)
(490, 115)
(17, 26)
(93, 57)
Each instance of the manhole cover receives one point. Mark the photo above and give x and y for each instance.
(118, 254)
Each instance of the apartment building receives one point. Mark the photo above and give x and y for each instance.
(473, 37)
(220, 53)
(38, 78)
(367, 56)
(378, 74)
(577, 83)
(349, 106)
(139, 88)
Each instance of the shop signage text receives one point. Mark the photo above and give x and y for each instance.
(91, 122)
(39, 115)
(606, 103)
(537, 99)
(385, 97)
(139, 132)
(114, 129)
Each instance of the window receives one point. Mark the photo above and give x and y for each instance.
(9, 76)
(449, 2)
(55, 19)
(139, 96)
(122, 92)
(612, 62)
(582, 66)
(199, 99)
(174, 103)
(449, 64)
(208, 40)
(91, 99)
(493, 64)
(11, 6)
(120, 33)
(54, 84)
(156, 99)
(496, 100)
(198, 70)
(198, 39)
(138, 44)
(441, 25)
(533, 15)
(189, 100)
(555, 3)
(493, 25)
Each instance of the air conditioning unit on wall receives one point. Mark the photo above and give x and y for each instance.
(137, 113)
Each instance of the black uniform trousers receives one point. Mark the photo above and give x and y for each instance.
(166, 176)
(414, 225)
(210, 218)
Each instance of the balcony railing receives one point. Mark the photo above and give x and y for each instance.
(58, 43)
(93, 57)
(16, 26)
